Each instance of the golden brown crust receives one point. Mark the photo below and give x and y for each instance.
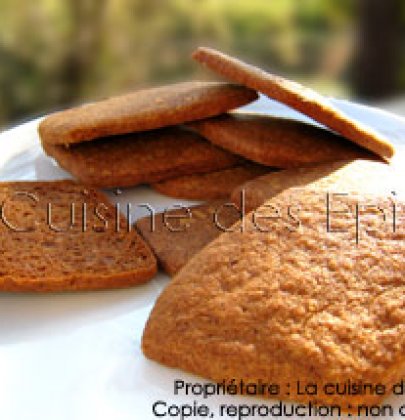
(143, 110)
(210, 185)
(296, 96)
(48, 256)
(342, 177)
(175, 240)
(138, 158)
(277, 142)
(290, 301)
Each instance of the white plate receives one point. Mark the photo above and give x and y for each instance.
(77, 355)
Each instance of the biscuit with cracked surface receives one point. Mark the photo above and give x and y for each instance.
(291, 301)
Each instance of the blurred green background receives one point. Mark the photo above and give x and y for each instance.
(54, 53)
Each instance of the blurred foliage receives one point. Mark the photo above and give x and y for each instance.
(56, 53)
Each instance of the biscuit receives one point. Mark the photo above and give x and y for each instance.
(138, 158)
(296, 96)
(339, 177)
(277, 142)
(178, 234)
(284, 300)
(210, 185)
(62, 236)
(143, 110)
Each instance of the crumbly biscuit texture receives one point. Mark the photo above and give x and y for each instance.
(281, 300)
(63, 236)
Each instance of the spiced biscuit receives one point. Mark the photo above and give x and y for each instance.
(178, 234)
(337, 177)
(296, 96)
(143, 110)
(281, 302)
(210, 185)
(137, 158)
(277, 142)
(63, 236)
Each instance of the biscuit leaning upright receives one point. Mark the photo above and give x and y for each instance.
(143, 110)
(296, 96)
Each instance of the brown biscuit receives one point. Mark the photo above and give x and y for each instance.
(277, 142)
(143, 110)
(138, 158)
(58, 236)
(177, 235)
(338, 177)
(284, 301)
(296, 96)
(210, 185)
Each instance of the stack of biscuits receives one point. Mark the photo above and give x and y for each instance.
(265, 286)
